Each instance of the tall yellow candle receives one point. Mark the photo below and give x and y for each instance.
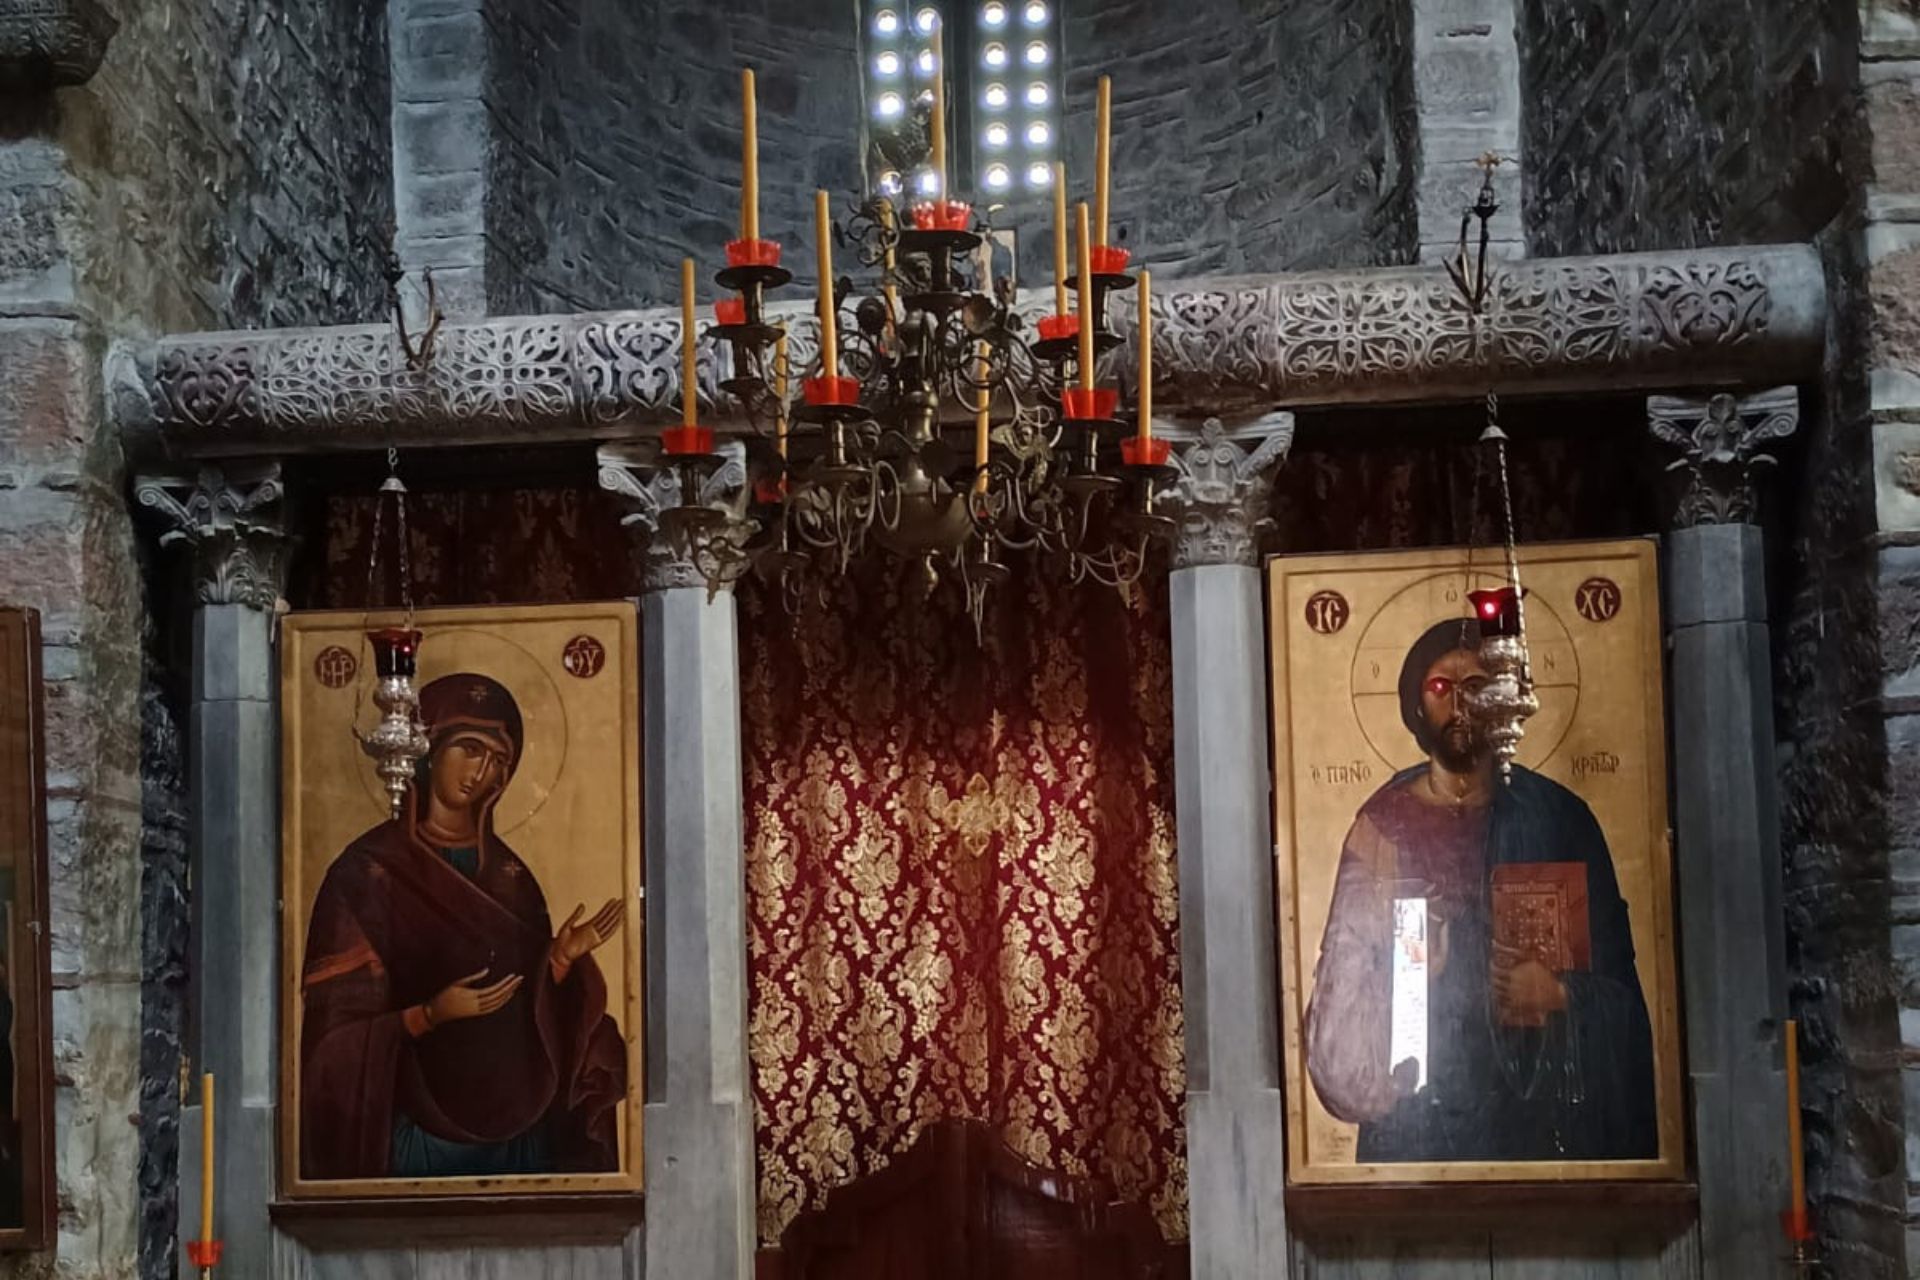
(206, 1156)
(780, 393)
(823, 251)
(939, 113)
(1103, 157)
(982, 421)
(1086, 300)
(1797, 1160)
(689, 354)
(1059, 238)
(1145, 431)
(749, 159)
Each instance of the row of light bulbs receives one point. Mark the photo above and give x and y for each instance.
(993, 16)
(1036, 54)
(998, 177)
(892, 103)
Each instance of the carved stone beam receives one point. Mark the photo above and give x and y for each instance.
(690, 514)
(1719, 317)
(1223, 483)
(45, 44)
(1721, 439)
(230, 516)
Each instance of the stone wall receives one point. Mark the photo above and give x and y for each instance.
(1873, 564)
(1249, 137)
(1838, 840)
(234, 159)
(163, 963)
(1246, 137)
(614, 141)
(226, 167)
(1668, 126)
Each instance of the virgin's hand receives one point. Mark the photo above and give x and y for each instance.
(578, 938)
(472, 997)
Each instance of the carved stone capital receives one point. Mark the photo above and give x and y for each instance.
(1219, 497)
(1719, 438)
(691, 514)
(48, 43)
(230, 515)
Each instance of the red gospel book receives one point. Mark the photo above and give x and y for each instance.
(1540, 910)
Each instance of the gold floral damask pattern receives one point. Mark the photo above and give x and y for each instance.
(962, 888)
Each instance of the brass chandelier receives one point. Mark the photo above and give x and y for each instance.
(872, 450)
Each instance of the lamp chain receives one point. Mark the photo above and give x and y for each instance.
(1499, 439)
(391, 485)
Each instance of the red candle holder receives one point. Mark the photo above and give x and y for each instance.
(730, 311)
(205, 1254)
(1498, 610)
(840, 392)
(1053, 327)
(395, 650)
(1109, 259)
(1084, 403)
(1136, 452)
(770, 491)
(753, 253)
(1798, 1225)
(942, 215)
(681, 442)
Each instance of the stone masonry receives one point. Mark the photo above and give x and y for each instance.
(563, 157)
(554, 157)
(1876, 398)
(1466, 73)
(1247, 137)
(1669, 126)
(615, 141)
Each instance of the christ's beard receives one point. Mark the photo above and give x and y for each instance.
(1455, 748)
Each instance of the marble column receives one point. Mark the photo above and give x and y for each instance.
(1727, 823)
(699, 1114)
(229, 518)
(1236, 1149)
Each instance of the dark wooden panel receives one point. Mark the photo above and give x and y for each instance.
(1576, 1210)
(26, 1096)
(959, 1205)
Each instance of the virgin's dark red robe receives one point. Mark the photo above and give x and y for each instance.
(393, 926)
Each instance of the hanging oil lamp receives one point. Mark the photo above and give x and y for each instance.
(399, 741)
(1507, 700)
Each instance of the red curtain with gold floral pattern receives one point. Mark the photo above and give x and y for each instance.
(963, 901)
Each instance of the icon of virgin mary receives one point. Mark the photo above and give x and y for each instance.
(448, 1029)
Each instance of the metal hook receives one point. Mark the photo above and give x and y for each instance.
(418, 354)
(1468, 270)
